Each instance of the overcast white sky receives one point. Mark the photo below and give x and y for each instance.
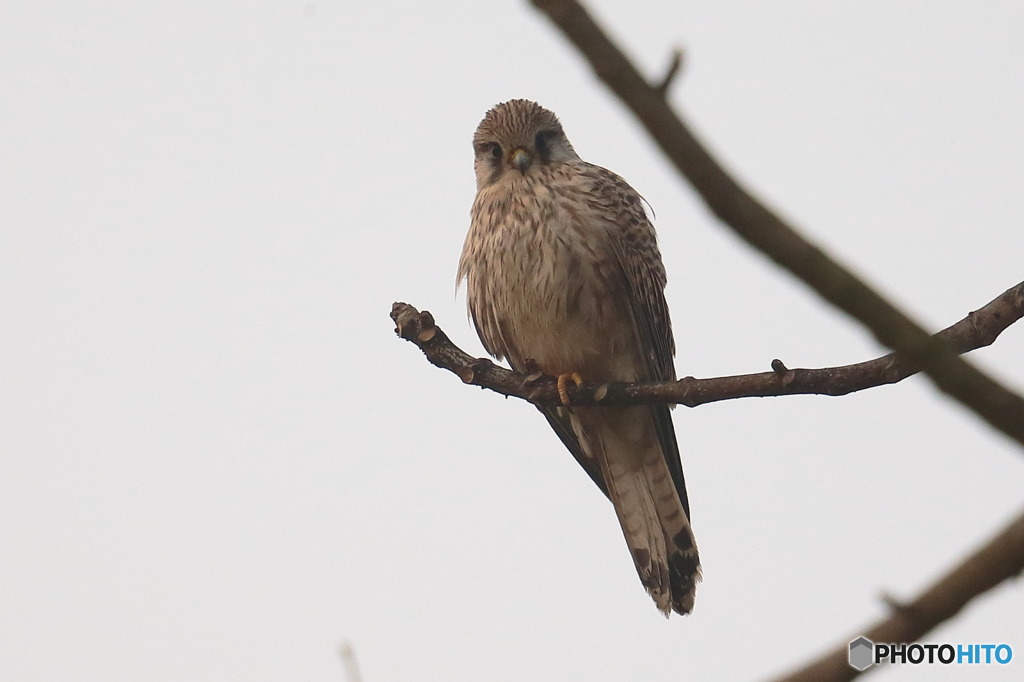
(217, 462)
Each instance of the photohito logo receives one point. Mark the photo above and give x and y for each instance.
(864, 653)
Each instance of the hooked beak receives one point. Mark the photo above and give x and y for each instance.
(521, 159)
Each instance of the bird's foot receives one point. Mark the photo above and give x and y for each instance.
(563, 380)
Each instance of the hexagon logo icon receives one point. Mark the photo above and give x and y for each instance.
(862, 653)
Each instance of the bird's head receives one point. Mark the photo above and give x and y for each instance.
(515, 137)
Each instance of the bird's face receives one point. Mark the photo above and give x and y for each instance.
(517, 138)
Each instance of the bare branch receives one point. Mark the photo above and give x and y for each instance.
(1000, 559)
(767, 232)
(980, 328)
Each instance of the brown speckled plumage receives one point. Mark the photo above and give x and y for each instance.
(564, 274)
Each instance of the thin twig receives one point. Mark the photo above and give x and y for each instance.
(767, 232)
(670, 74)
(348, 661)
(980, 328)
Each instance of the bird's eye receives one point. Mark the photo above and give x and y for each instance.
(491, 149)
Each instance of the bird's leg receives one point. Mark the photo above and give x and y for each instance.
(564, 379)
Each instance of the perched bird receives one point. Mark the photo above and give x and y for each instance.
(564, 276)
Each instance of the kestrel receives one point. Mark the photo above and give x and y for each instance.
(564, 276)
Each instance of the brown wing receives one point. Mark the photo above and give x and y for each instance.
(636, 247)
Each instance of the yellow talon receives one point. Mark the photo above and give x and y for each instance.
(563, 379)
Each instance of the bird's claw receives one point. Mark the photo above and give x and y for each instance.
(563, 380)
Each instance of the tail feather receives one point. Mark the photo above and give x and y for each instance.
(643, 492)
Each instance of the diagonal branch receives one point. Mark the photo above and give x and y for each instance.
(767, 232)
(1000, 559)
(980, 328)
